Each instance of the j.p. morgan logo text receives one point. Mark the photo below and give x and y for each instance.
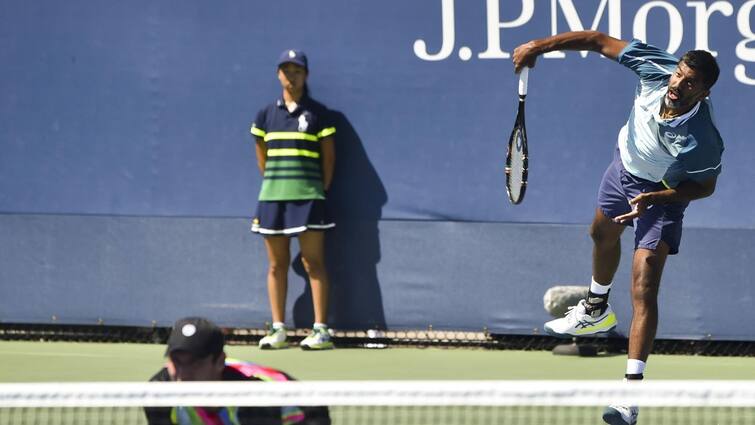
(607, 13)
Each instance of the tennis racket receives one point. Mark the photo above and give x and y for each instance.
(516, 158)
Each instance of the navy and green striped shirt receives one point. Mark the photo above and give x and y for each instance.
(293, 169)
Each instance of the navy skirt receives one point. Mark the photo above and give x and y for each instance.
(291, 217)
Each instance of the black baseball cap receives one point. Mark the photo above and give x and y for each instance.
(196, 335)
(293, 56)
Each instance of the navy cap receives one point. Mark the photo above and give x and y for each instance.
(196, 335)
(293, 56)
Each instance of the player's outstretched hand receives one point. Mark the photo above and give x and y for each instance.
(642, 203)
(524, 56)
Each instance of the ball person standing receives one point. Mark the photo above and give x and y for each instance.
(296, 156)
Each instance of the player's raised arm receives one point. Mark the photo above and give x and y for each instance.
(594, 41)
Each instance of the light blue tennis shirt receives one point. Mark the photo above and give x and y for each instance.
(673, 150)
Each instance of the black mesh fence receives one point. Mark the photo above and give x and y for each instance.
(612, 344)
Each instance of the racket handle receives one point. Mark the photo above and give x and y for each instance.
(523, 76)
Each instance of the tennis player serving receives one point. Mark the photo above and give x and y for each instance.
(668, 154)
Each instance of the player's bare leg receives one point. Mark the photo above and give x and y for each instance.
(313, 258)
(594, 315)
(606, 250)
(279, 258)
(647, 268)
(606, 253)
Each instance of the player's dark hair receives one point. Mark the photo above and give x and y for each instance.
(704, 62)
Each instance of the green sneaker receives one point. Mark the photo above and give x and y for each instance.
(319, 339)
(274, 340)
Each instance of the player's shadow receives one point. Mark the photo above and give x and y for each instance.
(352, 248)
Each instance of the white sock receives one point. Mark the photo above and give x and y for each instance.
(635, 367)
(278, 325)
(598, 289)
(318, 325)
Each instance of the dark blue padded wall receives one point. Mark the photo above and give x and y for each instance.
(395, 274)
(125, 157)
(144, 108)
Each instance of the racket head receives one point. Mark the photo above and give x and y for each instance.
(516, 159)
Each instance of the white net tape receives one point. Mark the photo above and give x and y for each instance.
(381, 393)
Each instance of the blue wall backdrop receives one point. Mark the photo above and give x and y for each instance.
(127, 168)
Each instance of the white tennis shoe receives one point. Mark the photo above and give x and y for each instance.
(621, 415)
(319, 339)
(274, 340)
(577, 322)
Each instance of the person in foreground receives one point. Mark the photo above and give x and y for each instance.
(295, 148)
(668, 154)
(196, 353)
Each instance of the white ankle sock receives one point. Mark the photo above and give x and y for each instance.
(635, 367)
(598, 289)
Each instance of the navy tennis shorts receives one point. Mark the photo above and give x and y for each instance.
(291, 217)
(661, 222)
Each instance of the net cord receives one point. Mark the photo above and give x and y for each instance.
(380, 393)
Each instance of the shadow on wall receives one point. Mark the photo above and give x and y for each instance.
(355, 200)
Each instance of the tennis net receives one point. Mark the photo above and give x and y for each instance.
(391, 402)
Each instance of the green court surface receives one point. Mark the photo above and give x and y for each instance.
(22, 361)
